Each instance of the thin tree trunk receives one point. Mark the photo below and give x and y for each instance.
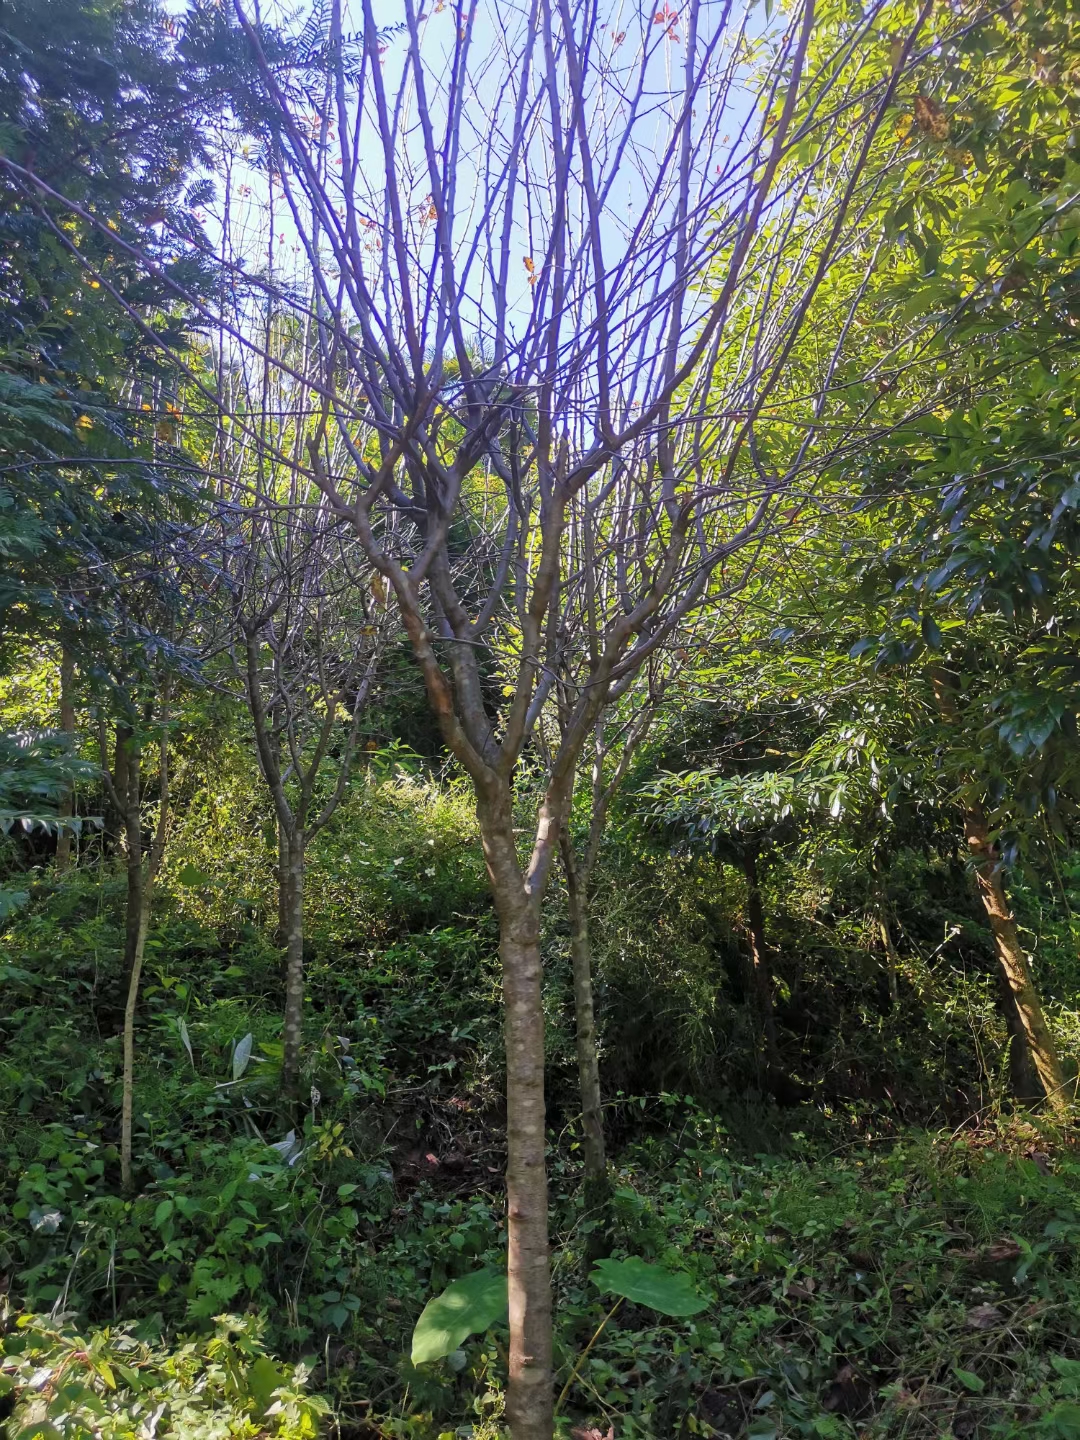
(66, 807)
(282, 886)
(128, 1094)
(136, 877)
(1033, 1058)
(892, 959)
(1024, 1013)
(141, 879)
(1023, 1077)
(529, 1401)
(588, 1062)
(117, 829)
(761, 985)
(294, 969)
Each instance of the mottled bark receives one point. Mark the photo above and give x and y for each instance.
(65, 808)
(760, 980)
(529, 1392)
(1025, 1019)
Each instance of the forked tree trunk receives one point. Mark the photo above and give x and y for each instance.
(588, 1061)
(760, 981)
(529, 1400)
(294, 968)
(66, 807)
(1025, 1019)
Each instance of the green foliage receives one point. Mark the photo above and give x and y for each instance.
(467, 1306)
(651, 1285)
(112, 1383)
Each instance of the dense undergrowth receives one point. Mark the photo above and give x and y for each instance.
(888, 1253)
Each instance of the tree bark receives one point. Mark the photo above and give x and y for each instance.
(66, 807)
(294, 968)
(588, 1062)
(116, 832)
(760, 983)
(143, 862)
(1024, 1013)
(282, 886)
(892, 959)
(529, 1401)
(128, 1092)
(131, 797)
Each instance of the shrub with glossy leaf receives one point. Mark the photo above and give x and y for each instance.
(466, 1307)
(661, 1289)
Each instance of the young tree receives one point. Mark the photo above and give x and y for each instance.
(142, 715)
(559, 261)
(618, 733)
(309, 640)
(495, 400)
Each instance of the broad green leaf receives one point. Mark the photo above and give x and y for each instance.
(668, 1291)
(466, 1307)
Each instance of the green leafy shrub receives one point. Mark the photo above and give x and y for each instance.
(111, 1385)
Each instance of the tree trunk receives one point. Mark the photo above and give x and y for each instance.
(131, 796)
(66, 807)
(134, 976)
(116, 827)
(760, 983)
(529, 1397)
(1026, 1022)
(1023, 1077)
(282, 886)
(892, 959)
(588, 1061)
(294, 968)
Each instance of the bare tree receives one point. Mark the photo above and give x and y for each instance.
(564, 261)
(561, 256)
(310, 632)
